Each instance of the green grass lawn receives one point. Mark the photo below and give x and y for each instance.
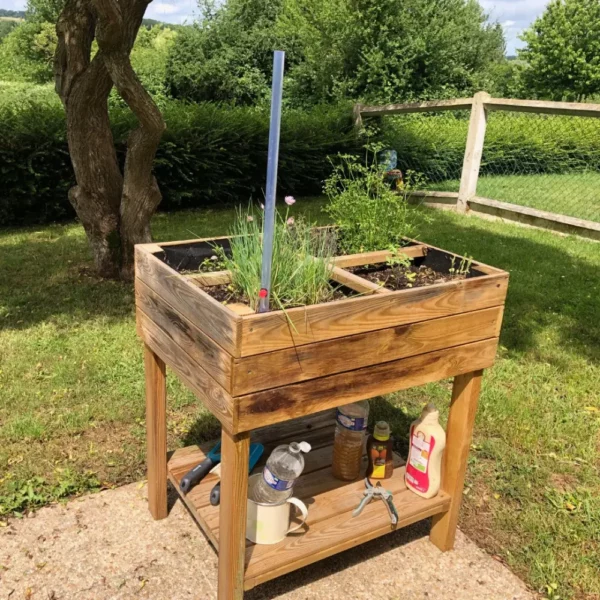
(571, 194)
(72, 409)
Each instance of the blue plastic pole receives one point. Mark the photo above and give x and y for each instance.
(273, 158)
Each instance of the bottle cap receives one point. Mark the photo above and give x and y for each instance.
(382, 431)
(300, 447)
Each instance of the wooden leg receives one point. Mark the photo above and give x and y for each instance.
(156, 433)
(232, 515)
(459, 431)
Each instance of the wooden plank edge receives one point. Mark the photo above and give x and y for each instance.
(379, 256)
(415, 107)
(210, 279)
(573, 109)
(227, 423)
(442, 505)
(535, 218)
(354, 282)
(195, 514)
(227, 316)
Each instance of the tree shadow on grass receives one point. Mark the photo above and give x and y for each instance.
(47, 276)
(554, 281)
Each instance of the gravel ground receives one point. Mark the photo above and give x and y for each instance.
(106, 546)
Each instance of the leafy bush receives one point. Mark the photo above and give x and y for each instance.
(208, 154)
(520, 143)
(369, 214)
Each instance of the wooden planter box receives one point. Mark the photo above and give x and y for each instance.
(278, 375)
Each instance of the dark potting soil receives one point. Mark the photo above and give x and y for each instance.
(223, 293)
(400, 278)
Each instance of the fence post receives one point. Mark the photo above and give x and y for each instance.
(473, 151)
(356, 116)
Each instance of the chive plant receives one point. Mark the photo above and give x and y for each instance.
(301, 260)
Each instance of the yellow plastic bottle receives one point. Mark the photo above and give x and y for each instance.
(426, 446)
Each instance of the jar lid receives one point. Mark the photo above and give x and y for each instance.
(382, 431)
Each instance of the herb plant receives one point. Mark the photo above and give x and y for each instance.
(369, 214)
(301, 260)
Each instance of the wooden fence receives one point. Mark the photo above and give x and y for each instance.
(466, 199)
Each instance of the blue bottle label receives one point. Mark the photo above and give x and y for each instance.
(277, 484)
(352, 423)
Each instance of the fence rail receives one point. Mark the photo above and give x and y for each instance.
(562, 173)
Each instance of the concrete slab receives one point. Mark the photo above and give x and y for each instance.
(106, 546)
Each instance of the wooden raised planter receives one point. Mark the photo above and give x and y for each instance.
(276, 376)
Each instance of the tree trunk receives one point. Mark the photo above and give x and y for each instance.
(114, 208)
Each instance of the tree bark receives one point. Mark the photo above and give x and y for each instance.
(114, 208)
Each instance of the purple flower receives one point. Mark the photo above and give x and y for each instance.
(289, 200)
(249, 218)
(290, 221)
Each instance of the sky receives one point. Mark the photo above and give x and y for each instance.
(514, 15)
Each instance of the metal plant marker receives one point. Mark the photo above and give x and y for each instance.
(273, 158)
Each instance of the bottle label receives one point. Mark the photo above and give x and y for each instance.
(352, 423)
(417, 469)
(378, 457)
(277, 484)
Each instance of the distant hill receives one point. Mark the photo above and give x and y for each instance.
(12, 14)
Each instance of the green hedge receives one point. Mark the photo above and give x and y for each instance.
(208, 154)
(515, 143)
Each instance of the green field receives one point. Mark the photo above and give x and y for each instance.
(571, 194)
(72, 409)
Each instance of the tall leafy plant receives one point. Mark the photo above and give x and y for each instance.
(369, 214)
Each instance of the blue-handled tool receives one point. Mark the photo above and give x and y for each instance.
(256, 451)
(199, 472)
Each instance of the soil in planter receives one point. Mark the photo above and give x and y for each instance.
(223, 293)
(400, 278)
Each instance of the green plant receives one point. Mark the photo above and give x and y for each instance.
(369, 214)
(301, 265)
(464, 266)
(398, 259)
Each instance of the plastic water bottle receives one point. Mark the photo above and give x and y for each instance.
(349, 443)
(284, 466)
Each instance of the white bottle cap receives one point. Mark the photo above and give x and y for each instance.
(305, 447)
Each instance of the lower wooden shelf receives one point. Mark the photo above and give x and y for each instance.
(330, 527)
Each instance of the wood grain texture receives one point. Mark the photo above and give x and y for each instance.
(306, 325)
(232, 534)
(414, 107)
(459, 431)
(199, 346)
(292, 401)
(473, 151)
(573, 109)
(215, 397)
(187, 299)
(370, 258)
(156, 433)
(210, 279)
(356, 283)
(283, 367)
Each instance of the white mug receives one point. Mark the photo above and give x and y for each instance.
(270, 523)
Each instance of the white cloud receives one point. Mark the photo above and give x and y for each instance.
(508, 24)
(164, 8)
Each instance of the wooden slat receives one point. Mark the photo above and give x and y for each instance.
(214, 319)
(217, 400)
(210, 279)
(195, 241)
(354, 282)
(199, 346)
(306, 325)
(332, 529)
(415, 107)
(380, 256)
(572, 109)
(292, 365)
(291, 401)
(535, 218)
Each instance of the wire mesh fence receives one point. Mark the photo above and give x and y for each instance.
(547, 162)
